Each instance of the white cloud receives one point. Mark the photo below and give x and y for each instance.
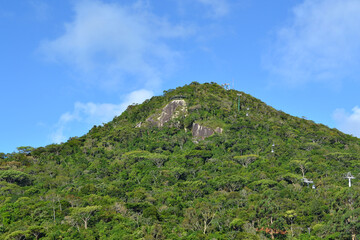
(91, 113)
(219, 8)
(321, 43)
(348, 122)
(58, 136)
(114, 44)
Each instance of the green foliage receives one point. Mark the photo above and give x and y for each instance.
(237, 224)
(16, 235)
(122, 181)
(151, 212)
(245, 160)
(13, 176)
(246, 236)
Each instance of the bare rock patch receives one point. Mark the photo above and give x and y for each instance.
(203, 132)
(172, 110)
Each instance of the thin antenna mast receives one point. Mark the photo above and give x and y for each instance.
(239, 107)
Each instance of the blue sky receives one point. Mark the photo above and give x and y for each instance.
(68, 65)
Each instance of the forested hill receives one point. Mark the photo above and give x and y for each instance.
(199, 162)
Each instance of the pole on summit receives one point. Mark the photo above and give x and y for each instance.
(239, 94)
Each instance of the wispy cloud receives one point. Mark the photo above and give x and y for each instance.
(320, 43)
(110, 44)
(348, 122)
(91, 113)
(218, 8)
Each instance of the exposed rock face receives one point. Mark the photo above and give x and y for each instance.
(218, 130)
(172, 110)
(202, 132)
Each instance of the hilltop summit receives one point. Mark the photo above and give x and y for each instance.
(198, 162)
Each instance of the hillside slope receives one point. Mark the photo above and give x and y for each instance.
(191, 164)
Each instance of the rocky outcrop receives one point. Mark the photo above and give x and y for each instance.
(218, 130)
(172, 110)
(203, 132)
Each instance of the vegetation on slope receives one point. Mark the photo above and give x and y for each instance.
(120, 181)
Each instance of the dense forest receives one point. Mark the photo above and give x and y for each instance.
(149, 175)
